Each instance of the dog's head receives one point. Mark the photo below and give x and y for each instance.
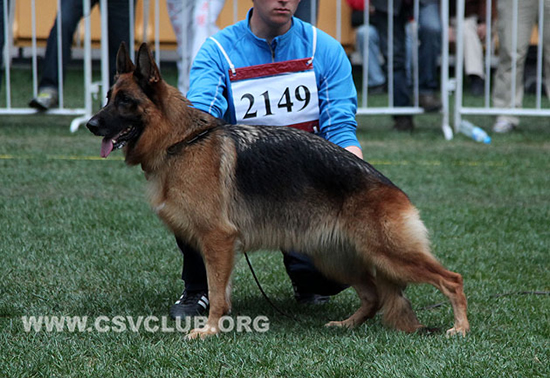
(121, 122)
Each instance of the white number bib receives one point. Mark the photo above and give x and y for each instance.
(277, 94)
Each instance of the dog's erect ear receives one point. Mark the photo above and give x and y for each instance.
(147, 69)
(123, 62)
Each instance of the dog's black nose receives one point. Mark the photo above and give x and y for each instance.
(93, 125)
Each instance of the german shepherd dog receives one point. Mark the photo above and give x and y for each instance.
(224, 188)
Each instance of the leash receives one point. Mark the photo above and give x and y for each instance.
(536, 292)
(430, 307)
(263, 292)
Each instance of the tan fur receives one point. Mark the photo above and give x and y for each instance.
(375, 241)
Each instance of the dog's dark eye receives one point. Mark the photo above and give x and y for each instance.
(124, 100)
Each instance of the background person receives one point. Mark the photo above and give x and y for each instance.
(2, 25)
(430, 30)
(528, 11)
(402, 11)
(193, 22)
(71, 13)
(376, 75)
(474, 34)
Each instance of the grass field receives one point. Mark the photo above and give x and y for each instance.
(78, 239)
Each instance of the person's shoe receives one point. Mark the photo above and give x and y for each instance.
(46, 99)
(303, 297)
(477, 86)
(503, 126)
(311, 298)
(429, 102)
(403, 123)
(191, 303)
(378, 89)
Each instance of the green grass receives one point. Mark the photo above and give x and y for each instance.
(78, 239)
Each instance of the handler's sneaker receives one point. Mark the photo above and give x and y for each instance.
(191, 303)
(46, 99)
(311, 298)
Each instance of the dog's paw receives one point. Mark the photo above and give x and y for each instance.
(341, 324)
(202, 333)
(457, 331)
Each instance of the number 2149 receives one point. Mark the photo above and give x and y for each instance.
(301, 94)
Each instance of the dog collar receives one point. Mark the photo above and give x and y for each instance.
(175, 148)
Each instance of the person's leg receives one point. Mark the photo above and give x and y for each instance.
(71, 13)
(401, 92)
(546, 47)
(429, 49)
(194, 271)
(409, 42)
(473, 57)
(119, 31)
(473, 49)
(194, 300)
(205, 15)
(376, 75)
(180, 14)
(310, 286)
(401, 95)
(502, 90)
(2, 37)
(429, 35)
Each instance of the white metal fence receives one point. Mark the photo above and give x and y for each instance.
(447, 86)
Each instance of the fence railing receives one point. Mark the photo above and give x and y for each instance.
(149, 17)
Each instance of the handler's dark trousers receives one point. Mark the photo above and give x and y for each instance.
(304, 276)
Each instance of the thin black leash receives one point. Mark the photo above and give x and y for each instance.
(492, 296)
(263, 292)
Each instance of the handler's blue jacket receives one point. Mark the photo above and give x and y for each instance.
(210, 88)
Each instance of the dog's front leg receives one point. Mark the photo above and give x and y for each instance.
(218, 253)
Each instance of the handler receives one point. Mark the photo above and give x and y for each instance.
(273, 69)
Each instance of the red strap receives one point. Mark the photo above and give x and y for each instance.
(270, 69)
(310, 127)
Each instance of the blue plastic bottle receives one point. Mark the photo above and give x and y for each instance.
(474, 132)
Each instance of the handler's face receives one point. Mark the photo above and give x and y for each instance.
(275, 13)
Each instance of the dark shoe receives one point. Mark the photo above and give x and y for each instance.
(403, 123)
(477, 86)
(191, 303)
(46, 99)
(311, 298)
(378, 89)
(303, 297)
(429, 102)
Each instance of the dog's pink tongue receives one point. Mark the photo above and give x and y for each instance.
(106, 147)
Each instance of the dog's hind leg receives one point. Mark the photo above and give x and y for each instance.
(218, 252)
(396, 308)
(421, 267)
(401, 253)
(366, 290)
(425, 269)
